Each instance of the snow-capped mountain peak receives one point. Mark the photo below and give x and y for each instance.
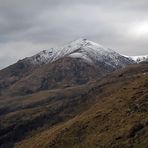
(84, 42)
(81, 48)
(87, 51)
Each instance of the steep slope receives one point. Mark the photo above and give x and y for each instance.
(14, 73)
(111, 111)
(118, 117)
(23, 115)
(62, 73)
(82, 48)
(75, 63)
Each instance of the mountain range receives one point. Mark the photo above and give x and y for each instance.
(79, 95)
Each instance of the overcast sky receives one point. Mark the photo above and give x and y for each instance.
(29, 26)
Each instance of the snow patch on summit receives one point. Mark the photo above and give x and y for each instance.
(89, 51)
(139, 58)
(81, 56)
(70, 50)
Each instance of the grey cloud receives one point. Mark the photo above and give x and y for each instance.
(38, 24)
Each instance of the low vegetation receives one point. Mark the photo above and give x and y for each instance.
(109, 112)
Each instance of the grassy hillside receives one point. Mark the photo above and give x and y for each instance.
(109, 112)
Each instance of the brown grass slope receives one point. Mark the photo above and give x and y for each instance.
(23, 78)
(61, 73)
(13, 73)
(117, 118)
(23, 115)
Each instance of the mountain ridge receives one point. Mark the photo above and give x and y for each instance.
(71, 50)
(140, 58)
(75, 63)
(80, 48)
